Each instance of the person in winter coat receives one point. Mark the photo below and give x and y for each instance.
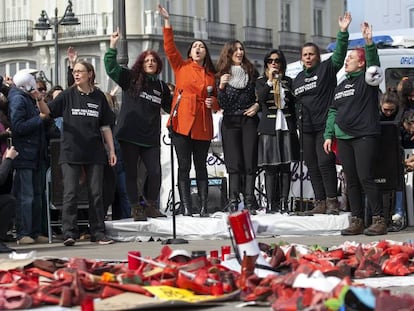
(30, 139)
(354, 120)
(7, 200)
(138, 127)
(191, 120)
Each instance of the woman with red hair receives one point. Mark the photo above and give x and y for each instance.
(354, 120)
(139, 123)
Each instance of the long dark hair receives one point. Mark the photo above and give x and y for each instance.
(225, 62)
(282, 59)
(138, 81)
(208, 63)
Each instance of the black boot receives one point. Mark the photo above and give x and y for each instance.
(285, 179)
(272, 192)
(234, 193)
(186, 205)
(250, 202)
(202, 187)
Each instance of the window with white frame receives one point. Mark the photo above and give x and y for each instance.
(317, 22)
(213, 11)
(11, 67)
(318, 14)
(251, 13)
(285, 19)
(411, 17)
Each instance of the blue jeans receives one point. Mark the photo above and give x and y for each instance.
(121, 208)
(26, 189)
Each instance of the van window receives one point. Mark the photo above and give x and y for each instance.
(394, 75)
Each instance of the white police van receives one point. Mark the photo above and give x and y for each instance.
(396, 53)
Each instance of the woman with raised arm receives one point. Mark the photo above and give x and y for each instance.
(354, 120)
(138, 128)
(313, 88)
(191, 120)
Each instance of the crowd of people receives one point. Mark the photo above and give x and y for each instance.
(264, 115)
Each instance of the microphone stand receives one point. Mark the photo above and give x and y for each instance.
(300, 117)
(174, 239)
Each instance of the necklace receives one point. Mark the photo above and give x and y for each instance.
(90, 90)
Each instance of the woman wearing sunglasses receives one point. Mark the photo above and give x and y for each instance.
(278, 139)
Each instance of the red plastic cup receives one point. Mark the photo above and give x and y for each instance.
(214, 254)
(133, 262)
(87, 304)
(225, 251)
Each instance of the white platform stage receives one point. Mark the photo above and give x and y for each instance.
(216, 227)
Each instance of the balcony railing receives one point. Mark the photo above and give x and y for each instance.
(183, 25)
(89, 26)
(221, 32)
(257, 37)
(291, 41)
(322, 42)
(16, 31)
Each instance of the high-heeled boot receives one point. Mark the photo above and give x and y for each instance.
(202, 187)
(285, 179)
(272, 192)
(186, 204)
(250, 202)
(234, 193)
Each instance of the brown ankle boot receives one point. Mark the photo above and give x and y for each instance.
(151, 210)
(332, 206)
(356, 227)
(378, 226)
(138, 213)
(319, 207)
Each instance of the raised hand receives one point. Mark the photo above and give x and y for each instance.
(344, 21)
(72, 56)
(366, 30)
(163, 12)
(114, 38)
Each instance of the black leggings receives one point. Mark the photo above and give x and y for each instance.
(151, 158)
(321, 166)
(185, 147)
(357, 157)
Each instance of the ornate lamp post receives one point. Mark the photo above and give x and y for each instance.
(45, 23)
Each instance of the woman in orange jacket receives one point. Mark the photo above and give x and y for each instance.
(191, 118)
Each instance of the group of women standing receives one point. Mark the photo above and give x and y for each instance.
(233, 83)
(249, 142)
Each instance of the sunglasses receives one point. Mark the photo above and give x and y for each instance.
(273, 60)
(41, 89)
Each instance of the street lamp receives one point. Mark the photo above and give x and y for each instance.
(45, 23)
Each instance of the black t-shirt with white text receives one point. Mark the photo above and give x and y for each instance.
(83, 116)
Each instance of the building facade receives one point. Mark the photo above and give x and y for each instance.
(260, 24)
(387, 15)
